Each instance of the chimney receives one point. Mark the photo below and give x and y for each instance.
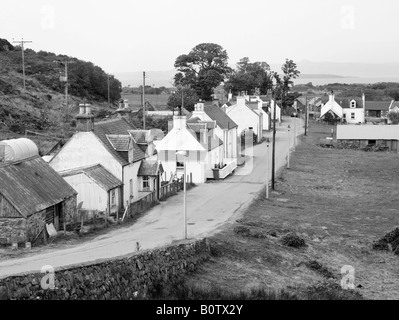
(85, 119)
(179, 122)
(126, 103)
(230, 96)
(199, 107)
(241, 101)
(82, 108)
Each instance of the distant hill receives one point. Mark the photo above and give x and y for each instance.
(320, 76)
(370, 70)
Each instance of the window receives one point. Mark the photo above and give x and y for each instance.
(131, 188)
(146, 183)
(179, 164)
(353, 104)
(352, 115)
(113, 197)
(344, 115)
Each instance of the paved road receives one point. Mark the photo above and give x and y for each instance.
(209, 207)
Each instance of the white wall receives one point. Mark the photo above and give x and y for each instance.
(93, 196)
(368, 132)
(244, 118)
(194, 165)
(359, 115)
(82, 150)
(130, 172)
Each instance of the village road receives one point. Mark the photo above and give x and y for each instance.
(209, 207)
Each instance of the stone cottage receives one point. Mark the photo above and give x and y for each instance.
(32, 194)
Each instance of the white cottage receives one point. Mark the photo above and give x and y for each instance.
(226, 129)
(108, 144)
(245, 117)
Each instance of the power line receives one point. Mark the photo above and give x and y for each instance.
(21, 42)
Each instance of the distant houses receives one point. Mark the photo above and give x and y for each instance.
(32, 195)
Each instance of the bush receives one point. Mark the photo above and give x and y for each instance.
(319, 268)
(393, 116)
(293, 240)
(390, 239)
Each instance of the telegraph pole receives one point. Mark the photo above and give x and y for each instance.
(306, 115)
(109, 105)
(143, 100)
(274, 141)
(23, 57)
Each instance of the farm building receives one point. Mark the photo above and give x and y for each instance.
(378, 135)
(32, 194)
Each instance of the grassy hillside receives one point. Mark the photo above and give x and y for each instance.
(42, 107)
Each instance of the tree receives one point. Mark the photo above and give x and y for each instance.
(393, 116)
(284, 84)
(250, 77)
(190, 98)
(203, 69)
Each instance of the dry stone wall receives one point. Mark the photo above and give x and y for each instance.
(119, 278)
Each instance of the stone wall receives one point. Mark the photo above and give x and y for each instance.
(69, 210)
(120, 278)
(35, 224)
(12, 230)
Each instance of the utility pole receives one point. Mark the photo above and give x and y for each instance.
(289, 147)
(109, 105)
(65, 79)
(267, 167)
(23, 57)
(306, 115)
(274, 141)
(143, 100)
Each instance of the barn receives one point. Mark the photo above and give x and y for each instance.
(32, 194)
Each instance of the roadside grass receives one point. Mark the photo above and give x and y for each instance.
(339, 201)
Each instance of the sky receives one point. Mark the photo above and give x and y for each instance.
(126, 36)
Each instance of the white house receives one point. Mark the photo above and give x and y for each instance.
(226, 129)
(353, 110)
(331, 106)
(256, 103)
(106, 143)
(245, 117)
(179, 138)
(205, 150)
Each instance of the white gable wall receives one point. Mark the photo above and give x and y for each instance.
(244, 118)
(130, 173)
(85, 149)
(93, 196)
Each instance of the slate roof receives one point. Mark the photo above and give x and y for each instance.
(345, 103)
(378, 105)
(119, 142)
(150, 168)
(139, 136)
(98, 174)
(221, 118)
(117, 127)
(32, 185)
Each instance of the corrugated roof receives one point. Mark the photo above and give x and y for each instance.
(378, 105)
(150, 168)
(117, 127)
(32, 185)
(221, 118)
(98, 174)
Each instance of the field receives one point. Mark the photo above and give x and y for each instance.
(157, 100)
(338, 201)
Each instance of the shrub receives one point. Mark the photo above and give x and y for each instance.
(241, 230)
(391, 238)
(293, 240)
